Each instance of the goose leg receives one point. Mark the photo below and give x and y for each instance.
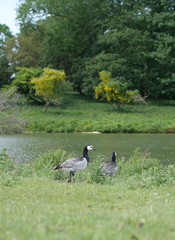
(73, 176)
(70, 179)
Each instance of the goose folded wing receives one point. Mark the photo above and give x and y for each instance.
(108, 167)
(71, 162)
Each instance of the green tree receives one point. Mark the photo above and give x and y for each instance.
(24, 49)
(5, 69)
(123, 49)
(134, 40)
(162, 27)
(22, 82)
(70, 27)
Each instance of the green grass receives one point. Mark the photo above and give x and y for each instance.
(37, 203)
(81, 114)
(43, 209)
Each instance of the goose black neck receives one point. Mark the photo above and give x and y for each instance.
(113, 157)
(85, 154)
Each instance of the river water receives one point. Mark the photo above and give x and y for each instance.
(27, 147)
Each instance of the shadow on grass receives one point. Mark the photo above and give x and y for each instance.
(163, 103)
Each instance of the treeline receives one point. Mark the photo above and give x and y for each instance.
(133, 40)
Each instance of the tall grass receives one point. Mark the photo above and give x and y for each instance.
(140, 170)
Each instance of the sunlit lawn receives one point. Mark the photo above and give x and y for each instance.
(79, 114)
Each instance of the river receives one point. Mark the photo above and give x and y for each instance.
(27, 147)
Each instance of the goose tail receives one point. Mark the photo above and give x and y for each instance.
(57, 167)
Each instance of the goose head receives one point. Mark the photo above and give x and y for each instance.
(89, 147)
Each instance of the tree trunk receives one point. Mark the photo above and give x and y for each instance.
(46, 106)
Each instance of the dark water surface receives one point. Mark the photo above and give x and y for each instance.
(27, 147)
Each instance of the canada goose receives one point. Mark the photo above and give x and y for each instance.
(110, 168)
(75, 164)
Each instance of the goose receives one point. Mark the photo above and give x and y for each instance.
(75, 164)
(110, 168)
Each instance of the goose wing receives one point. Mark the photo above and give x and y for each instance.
(71, 162)
(109, 168)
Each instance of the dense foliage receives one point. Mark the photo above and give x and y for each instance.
(22, 82)
(134, 40)
(5, 69)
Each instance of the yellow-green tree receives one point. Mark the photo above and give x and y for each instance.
(114, 91)
(50, 85)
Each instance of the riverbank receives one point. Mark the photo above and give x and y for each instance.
(81, 114)
(38, 203)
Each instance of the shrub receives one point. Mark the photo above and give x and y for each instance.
(23, 83)
(116, 91)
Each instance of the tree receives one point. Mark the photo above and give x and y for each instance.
(162, 26)
(71, 29)
(24, 50)
(114, 91)
(50, 85)
(134, 40)
(22, 82)
(5, 69)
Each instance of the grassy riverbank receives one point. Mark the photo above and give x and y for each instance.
(80, 114)
(37, 202)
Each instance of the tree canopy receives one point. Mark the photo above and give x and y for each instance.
(134, 40)
(5, 70)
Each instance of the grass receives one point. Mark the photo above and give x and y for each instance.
(42, 209)
(81, 114)
(37, 202)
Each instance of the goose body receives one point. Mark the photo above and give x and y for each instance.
(110, 168)
(75, 164)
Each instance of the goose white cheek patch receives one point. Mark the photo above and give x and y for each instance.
(89, 148)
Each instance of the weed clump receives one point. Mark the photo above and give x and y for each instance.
(7, 169)
(143, 171)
